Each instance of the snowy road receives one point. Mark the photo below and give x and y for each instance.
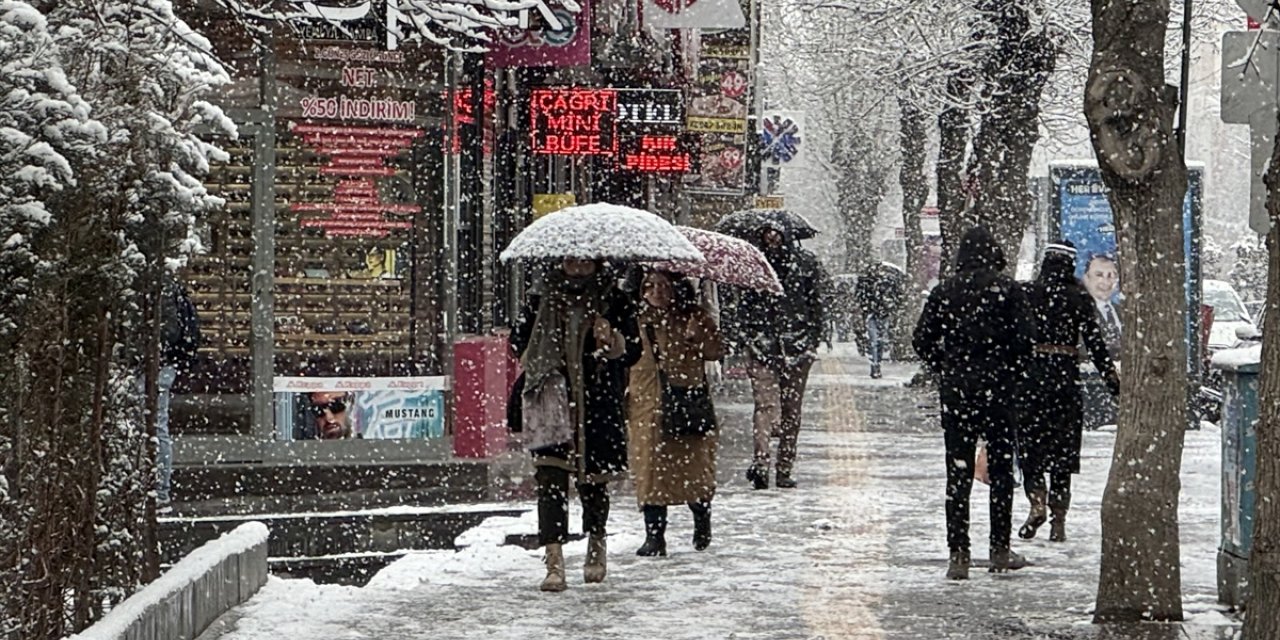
(858, 551)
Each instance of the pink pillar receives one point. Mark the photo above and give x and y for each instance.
(481, 383)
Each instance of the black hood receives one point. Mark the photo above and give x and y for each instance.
(979, 250)
(1057, 268)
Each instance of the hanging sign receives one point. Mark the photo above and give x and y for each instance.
(574, 122)
(650, 110)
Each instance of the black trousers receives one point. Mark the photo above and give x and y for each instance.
(965, 419)
(553, 505)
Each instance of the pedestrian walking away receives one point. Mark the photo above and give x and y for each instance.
(779, 336)
(879, 296)
(670, 468)
(179, 345)
(575, 337)
(1050, 432)
(976, 336)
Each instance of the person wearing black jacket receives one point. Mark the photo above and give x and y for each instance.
(1049, 436)
(780, 336)
(975, 335)
(879, 294)
(576, 339)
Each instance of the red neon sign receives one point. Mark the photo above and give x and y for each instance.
(656, 154)
(574, 122)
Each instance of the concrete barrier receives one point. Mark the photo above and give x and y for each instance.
(184, 601)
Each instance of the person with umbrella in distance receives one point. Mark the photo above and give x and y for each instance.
(1049, 435)
(976, 334)
(780, 335)
(575, 337)
(671, 423)
(879, 295)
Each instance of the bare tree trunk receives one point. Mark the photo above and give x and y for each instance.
(1131, 115)
(1262, 618)
(953, 138)
(915, 190)
(1014, 74)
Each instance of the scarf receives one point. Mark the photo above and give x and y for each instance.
(566, 311)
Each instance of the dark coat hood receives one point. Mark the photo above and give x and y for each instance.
(979, 250)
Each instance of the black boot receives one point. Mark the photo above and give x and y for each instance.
(655, 531)
(701, 525)
(758, 474)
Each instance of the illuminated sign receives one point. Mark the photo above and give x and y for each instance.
(574, 122)
(650, 110)
(656, 154)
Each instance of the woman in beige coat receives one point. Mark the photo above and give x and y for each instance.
(670, 471)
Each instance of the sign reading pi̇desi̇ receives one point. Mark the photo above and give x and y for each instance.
(574, 122)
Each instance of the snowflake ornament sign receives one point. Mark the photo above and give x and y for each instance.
(780, 139)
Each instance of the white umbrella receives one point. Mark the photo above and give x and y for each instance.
(601, 231)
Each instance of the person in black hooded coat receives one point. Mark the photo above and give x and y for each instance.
(1049, 435)
(975, 335)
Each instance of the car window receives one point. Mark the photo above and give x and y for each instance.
(1226, 305)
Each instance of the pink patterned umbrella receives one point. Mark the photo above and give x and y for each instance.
(728, 260)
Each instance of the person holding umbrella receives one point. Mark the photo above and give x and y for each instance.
(780, 335)
(576, 337)
(671, 467)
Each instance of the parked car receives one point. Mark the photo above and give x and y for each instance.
(1229, 315)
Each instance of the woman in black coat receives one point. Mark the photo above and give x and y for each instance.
(575, 338)
(1053, 419)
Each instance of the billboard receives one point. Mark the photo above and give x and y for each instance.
(409, 408)
(1080, 212)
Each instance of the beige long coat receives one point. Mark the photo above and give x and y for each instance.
(670, 472)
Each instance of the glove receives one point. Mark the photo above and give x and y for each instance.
(1113, 383)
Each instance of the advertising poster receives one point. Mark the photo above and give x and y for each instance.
(370, 408)
(1082, 214)
(718, 110)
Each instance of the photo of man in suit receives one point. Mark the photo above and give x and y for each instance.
(1102, 279)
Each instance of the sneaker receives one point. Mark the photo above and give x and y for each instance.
(759, 476)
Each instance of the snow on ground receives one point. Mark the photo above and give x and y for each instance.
(857, 552)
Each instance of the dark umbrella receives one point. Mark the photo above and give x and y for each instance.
(747, 224)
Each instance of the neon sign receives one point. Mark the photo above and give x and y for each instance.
(656, 154)
(574, 122)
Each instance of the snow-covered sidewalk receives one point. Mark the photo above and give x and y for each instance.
(858, 551)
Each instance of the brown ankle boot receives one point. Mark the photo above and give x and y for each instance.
(1039, 514)
(1058, 525)
(554, 581)
(595, 568)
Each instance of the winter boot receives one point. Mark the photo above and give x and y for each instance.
(595, 568)
(554, 581)
(784, 481)
(655, 532)
(958, 566)
(1038, 515)
(1058, 526)
(1005, 560)
(875, 372)
(701, 525)
(758, 474)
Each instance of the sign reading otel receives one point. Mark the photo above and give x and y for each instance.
(626, 123)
